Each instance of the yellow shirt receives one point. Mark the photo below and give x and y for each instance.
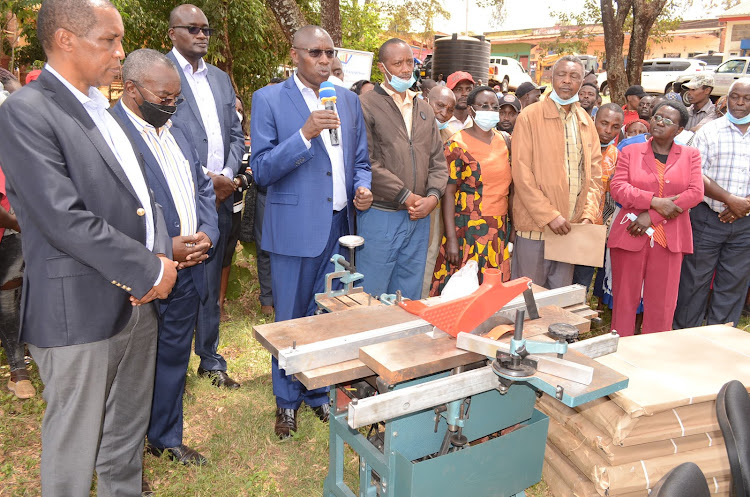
(405, 105)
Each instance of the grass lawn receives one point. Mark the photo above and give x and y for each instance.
(234, 430)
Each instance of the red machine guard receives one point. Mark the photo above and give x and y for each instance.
(466, 313)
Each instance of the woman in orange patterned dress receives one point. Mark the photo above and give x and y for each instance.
(476, 222)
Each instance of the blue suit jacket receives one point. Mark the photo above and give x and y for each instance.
(188, 118)
(205, 199)
(299, 205)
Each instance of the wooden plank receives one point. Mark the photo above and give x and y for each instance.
(597, 346)
(414, 357)
(332, 304)
(281, 335)
(365, 299)
(340, 349)
(334, 374)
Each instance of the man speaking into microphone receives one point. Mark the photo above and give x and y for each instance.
(312, 157)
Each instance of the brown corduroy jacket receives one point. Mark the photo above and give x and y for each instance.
(540, 176)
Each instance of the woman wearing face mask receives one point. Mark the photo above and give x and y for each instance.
(656, 183)
(476, 222)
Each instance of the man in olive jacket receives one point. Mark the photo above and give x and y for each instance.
(556, 174)
(409, 174)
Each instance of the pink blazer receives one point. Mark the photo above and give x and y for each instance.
(636, 182)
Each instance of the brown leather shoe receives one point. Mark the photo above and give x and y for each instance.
(20, 384)
(323, 412)
(286, 422)
(266, 310)
(218, 378)
(182, 454)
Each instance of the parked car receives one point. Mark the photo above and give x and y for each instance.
(724, 75)
(508, 73)
(658, 75)
(712, 60)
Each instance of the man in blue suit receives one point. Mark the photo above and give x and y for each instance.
(210, 119)
(313, 188)
(174, 173)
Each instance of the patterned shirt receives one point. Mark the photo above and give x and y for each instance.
(175, 168)
(573, 156)
(725, 158)
(702, 116)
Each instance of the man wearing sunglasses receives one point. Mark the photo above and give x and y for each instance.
(150, 98)
(314, 184)
(209, 118)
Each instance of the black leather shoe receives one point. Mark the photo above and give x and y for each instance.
(146, 489)
(218, 378)
(322, 412)
(286, 422)
(182, 454)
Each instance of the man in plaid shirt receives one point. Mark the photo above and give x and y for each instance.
(721, 226)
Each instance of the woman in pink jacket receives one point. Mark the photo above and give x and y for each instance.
(656, 183)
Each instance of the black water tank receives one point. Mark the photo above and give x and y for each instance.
(461, 53)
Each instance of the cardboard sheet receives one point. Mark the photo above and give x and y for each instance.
(637, 476)
(616, 454)
(583, 245)
(678, 368)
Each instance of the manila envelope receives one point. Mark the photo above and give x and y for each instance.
(583, 245)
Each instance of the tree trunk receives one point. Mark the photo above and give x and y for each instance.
(288, 15)
(227, 65)
(645, 13)
(614, 40)
(330, 20)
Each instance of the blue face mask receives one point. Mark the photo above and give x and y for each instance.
(440, 125)
(486, 119)
(400, 85)
(734, 120)
(611, 142)
(556, 98)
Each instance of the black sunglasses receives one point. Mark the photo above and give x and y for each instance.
(194, 30)
(317, 52)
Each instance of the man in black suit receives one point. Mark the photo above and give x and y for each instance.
(97, 253)
(209, 116)
(174, 173)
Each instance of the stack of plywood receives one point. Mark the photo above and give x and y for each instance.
(621, 445)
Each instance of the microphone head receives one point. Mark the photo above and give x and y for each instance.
(327, 91)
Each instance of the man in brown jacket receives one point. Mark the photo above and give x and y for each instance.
(556, 174)
(409, 174)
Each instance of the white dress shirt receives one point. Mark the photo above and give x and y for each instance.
(175, 168)
(335, 152)
(96, 105)
(204, 97)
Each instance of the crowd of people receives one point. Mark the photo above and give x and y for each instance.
(120, 224)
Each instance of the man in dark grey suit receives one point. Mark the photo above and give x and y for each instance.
(209, 117)
(97, 253)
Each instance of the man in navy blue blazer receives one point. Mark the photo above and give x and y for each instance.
(209, 117)
(174, 173)
(313, 187)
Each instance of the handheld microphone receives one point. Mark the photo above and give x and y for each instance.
(328, 97)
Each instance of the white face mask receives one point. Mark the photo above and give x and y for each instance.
(239, 116)
(336, 81)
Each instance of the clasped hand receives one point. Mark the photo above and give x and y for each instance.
(419, 206)
(190, 250)
(160, 291)
(666, 206)
(736, 208)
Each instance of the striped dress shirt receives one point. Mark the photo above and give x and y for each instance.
(174, 166)
(725, 158)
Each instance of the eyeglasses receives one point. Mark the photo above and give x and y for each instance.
(317, 52)
(194, 30)
(162, 101)
(494, 108)
(659, 119)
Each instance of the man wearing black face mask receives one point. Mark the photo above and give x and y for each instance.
(150, 97)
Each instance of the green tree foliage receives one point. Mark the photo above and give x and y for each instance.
(361, 29)
(21, 13)
(248, 44)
